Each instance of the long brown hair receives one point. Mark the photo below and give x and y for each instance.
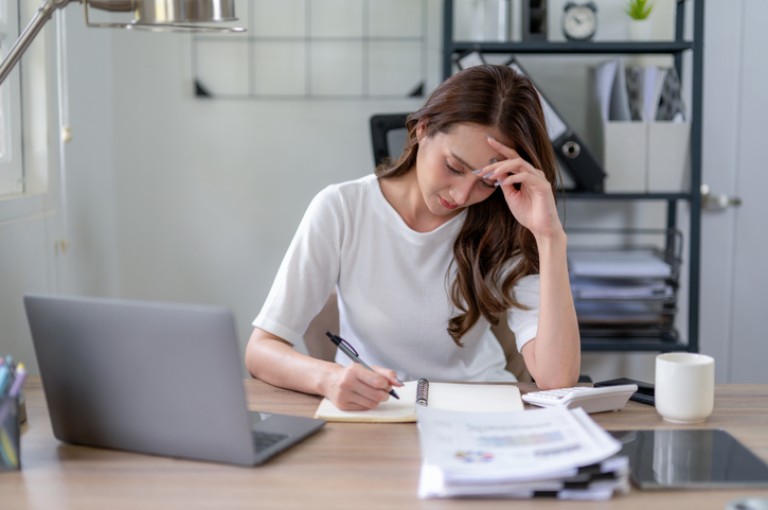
(494, 96)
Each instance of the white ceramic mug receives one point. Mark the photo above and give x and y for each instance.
(685, 386)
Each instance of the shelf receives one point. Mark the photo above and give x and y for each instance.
(580, 195)
(541, 47)
(636, 344)
(680, 45)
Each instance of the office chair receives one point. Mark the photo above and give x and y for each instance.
(388, 136)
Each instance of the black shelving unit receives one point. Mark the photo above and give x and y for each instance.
(676, 48)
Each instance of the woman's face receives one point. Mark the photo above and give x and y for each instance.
(444, 166)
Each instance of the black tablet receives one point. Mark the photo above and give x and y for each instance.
(690, 458)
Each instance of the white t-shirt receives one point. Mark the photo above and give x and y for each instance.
(392, 285)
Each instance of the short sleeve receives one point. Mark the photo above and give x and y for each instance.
(524, 323)
(308, 273)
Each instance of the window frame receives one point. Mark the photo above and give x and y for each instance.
(38, 81)
(11, 157)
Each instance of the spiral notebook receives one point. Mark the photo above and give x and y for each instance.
(469, 397)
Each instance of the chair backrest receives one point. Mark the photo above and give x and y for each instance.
(388, 136)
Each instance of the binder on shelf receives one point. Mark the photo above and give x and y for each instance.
(587, 174)
(469, 59)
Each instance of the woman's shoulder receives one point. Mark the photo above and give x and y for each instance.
(361, 185)
(349, 193)
(344, 199)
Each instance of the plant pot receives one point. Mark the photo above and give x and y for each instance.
(640, 30)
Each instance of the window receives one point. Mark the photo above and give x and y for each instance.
(11, 177)
(11, 173)
(27, 106)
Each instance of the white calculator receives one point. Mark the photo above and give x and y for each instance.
(592, 400)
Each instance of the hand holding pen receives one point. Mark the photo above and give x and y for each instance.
(351, 353)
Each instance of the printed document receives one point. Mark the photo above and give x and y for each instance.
(518, 454)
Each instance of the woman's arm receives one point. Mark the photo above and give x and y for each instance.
(554, 357)
(304, 280)
(275, 361)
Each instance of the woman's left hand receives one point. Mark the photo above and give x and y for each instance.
(526, 189)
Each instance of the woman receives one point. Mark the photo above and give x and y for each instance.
(461, 232)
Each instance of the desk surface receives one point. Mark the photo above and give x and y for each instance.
(344, 466)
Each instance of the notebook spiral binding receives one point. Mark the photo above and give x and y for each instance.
(422, 392)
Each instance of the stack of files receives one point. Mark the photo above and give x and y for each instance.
(618, 263)
(622, 289)
(585, 287)
(624, 315)
(551, 452)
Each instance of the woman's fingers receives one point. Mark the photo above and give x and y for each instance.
(502, 170)
(507, 152)
(514, 164)
(360, 388)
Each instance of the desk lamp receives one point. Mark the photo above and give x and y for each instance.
(158, 15)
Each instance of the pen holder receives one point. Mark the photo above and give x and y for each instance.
(10, 444)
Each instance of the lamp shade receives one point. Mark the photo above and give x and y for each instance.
(149, 12)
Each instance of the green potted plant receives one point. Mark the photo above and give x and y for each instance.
(639, 9)
(639, 23)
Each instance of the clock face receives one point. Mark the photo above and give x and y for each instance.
(579, 22)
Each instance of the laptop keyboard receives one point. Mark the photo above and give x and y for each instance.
(263, 440)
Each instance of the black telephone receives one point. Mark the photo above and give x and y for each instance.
(645, 393)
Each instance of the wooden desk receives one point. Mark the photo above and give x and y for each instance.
(344, 466)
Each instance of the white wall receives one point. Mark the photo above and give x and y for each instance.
(208, 193)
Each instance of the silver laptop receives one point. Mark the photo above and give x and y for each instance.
(157, 378)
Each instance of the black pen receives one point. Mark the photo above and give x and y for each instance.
(352, 354)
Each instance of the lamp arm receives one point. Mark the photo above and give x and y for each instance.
(48, 7)
(41, 17)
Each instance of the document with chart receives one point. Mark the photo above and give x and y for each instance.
(521, 454)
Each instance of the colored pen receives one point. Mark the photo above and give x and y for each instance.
(352, 354)
(7, 449)
(21, 374)
(5, 375)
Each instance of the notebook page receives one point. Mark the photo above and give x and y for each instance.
(393, 410)
(451, 396)
(475, 397)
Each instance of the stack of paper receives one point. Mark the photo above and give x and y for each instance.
(620, 288)
(616, 290)
(637, 263)
(555, 452)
